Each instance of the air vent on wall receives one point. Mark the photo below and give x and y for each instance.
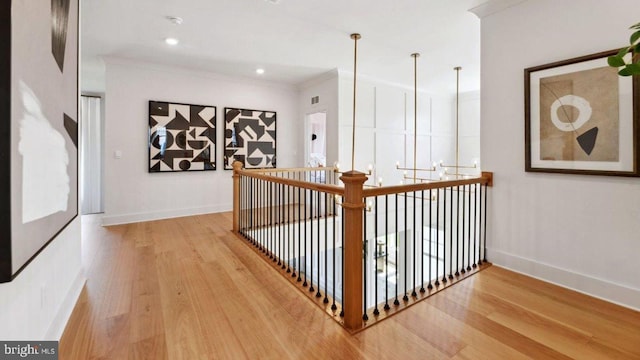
(315, 100)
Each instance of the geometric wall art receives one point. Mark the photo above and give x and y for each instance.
(39, 147)
(250, 137)
(581, 117)
(182, 137)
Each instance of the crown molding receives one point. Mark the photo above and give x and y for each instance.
(490, 7)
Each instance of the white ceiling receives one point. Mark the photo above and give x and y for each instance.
(293, 41)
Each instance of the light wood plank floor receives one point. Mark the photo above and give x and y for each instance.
(188, 289)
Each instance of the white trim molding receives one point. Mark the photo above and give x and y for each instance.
(599, 288)
(56, 329)
(108, 220)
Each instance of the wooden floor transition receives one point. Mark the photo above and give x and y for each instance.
(188, 289)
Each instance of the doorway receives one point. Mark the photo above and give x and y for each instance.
(316, 143)
(91, 155)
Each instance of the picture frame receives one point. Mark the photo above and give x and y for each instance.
(250, 137)
(182, 137)
(39, 151)
(581, 117)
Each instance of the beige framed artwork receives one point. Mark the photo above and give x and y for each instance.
(581, 117)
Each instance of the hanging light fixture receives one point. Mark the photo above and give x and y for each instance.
(415, 168)
(457, 165)
(355, 37)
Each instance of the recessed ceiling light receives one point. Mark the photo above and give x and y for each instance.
(260, 71)
(273, 1)
(171, 41)
(176, 20)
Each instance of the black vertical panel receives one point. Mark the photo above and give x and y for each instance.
(476, 224)
(251, 196)
(305, 238)
(469, 233)
(342, 257)
(265, 223)
(318, 208)
(480, 229)
(375, 257)
(311, 289)
(5, 145)
(422, 289)
(386, 252)
(458, 231)
(299, 237)
(281, 227)
(240, 202)
(326, 247)
(406, 245)
(365, 317)
(486, 190)
(464, 211)
(437, 282)
(273, 211)
(430, 237)
(444, 236)
(287, 244)
(396, 301)
(451, 236)
(335, 249)
(414, 250)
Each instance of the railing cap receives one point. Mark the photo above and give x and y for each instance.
(353, 176)
(237, 165)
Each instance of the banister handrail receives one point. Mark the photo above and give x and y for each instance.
(281, 235)
(486, 178)
(298, 169)
(331, 189)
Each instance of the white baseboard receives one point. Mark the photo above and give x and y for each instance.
(66, 308)
(159, 215)
(599, 288)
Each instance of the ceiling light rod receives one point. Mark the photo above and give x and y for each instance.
(415, 168)
(355, 37)
(415, 112)
(457, 165)
(457, 69)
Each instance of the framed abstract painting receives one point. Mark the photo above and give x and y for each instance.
(39, 151)
(182, 137)
(249, 137)
(581, 117)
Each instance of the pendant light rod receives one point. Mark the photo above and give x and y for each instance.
(457, 69)
(355, 38)
(415, 114)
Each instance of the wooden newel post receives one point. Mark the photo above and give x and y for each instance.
(237, 166)
(353, 207)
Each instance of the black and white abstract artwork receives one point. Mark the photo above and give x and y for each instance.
(182, 137)
(39, 147)
(250, 137)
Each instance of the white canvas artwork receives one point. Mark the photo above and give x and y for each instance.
(45, 182)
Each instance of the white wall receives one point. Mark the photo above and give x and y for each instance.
(326, 88)
(582, 232)
(38, 302)
(131, 193)
(385, 128)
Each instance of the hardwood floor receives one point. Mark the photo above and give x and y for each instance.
(188, 289)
